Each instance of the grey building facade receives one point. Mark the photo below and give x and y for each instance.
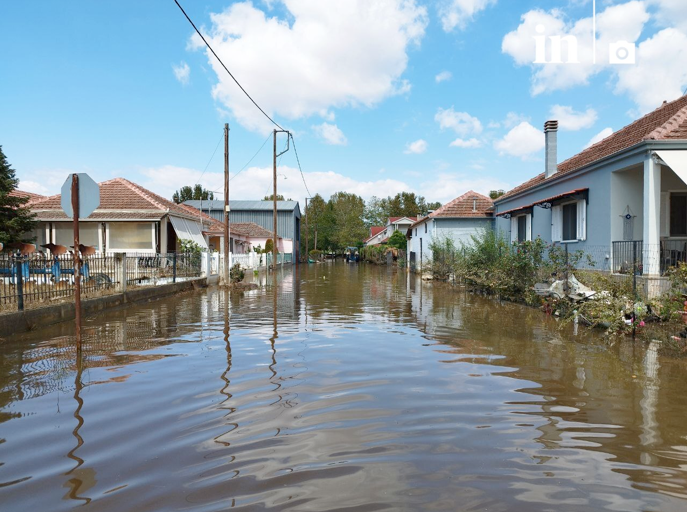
(260, 212)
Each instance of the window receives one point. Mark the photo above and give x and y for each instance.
(131, 236)
(569, 221)
(415, 231)
(678, 214)
(425, 227)
(89, 234)
(521, 228)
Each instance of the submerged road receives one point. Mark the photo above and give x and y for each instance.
(339, 387)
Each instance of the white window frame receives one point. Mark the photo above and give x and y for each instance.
(514, 232)
(557, 221)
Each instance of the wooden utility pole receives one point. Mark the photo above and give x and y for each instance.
(307, 253)
(77, 260)
(274, 202)
(226, 204)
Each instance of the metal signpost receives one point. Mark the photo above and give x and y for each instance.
(80, 196)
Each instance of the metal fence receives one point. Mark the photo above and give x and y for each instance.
(41, 279)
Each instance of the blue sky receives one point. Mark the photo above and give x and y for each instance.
(375, 91)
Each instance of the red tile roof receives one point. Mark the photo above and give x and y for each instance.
(470, 205)
(396, 219)
(667, 122)
(542, 201)
(119, 199)
(30, 195)
(251, 230)
(375, 230)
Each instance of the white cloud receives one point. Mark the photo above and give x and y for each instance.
(466, 143)
(660, 73)
(572, 120)
(46, 182)
(182, 72)
(416, 148)
(315, 58)
(512, 119)
(671, 13)
(256, 182)
(447, 186)
(600, 136)
(457, 13)
(331, 134)
(522, 141)
(623, 22)
(443, 76)
(460, 122)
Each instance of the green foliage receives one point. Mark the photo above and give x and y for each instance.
(269, 246)
(375, 254)
(189, 246)
(16, 221)
(495, 194)
(397, 240)
(195, 193)
(404, 204)
(279, 198)
(347, 212)
(236, 273)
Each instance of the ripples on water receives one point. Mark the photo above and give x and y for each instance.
(364, 392)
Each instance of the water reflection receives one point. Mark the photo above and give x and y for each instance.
(338, 386)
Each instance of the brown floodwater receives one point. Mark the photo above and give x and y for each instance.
(342, 387)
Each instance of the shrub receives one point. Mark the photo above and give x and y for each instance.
(236, 273)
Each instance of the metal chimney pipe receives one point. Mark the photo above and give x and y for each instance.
(551, 139)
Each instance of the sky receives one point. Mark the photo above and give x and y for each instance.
(382, 96)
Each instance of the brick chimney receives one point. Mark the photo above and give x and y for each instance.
(551, 137)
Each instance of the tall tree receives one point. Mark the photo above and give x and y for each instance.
(403, 204)
(16, 221)
(348, 210)
(315, 213)
(495, 194)
(195, 193)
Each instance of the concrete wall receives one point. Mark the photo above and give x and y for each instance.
(21, 321)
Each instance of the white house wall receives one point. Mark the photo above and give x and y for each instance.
(627, 190)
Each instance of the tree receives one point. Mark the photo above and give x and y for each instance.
(348, 210)
(279, 198)
(403, 204)
(315, 213)
(495, 194)
(397, 240)
(195, 193)
(16, 221)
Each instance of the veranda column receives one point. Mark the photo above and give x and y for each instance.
(652, 218)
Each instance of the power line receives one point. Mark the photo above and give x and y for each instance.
(252, 158)
(299, 163)
(225, 68)
(210, 161)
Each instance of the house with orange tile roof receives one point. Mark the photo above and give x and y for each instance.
(129, 219)
(626, 193)
(459, 220)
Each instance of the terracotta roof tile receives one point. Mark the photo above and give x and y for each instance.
(30, 195)
(667, 122)
(118, 195)
(470, 205)
(250, 230)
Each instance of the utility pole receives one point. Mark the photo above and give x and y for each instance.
(274, 193)
(226, 204)
(77, 261)
(307, 253)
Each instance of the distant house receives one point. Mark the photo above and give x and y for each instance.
(260, 213)
(625, 193)
(129, 219)
(381, 234)
(458, 219)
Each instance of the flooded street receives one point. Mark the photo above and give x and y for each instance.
(343, 387)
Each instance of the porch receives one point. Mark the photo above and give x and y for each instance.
(648, 212)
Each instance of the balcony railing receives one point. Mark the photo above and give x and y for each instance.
(631, 255)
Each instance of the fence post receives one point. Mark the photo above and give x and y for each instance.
(174, 267)
(20, 283)
(120, 271)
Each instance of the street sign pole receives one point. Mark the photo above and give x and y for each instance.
(77, 260)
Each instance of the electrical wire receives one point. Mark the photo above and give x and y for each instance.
(225, 67)
(293, 141)
(211, 158)
(252, 158)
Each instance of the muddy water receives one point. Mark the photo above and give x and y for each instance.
(363, 392)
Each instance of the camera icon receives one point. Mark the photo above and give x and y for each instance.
(622, 52)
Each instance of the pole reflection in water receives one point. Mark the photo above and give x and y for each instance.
(81, 479)
(226, 403)
(650, 434)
